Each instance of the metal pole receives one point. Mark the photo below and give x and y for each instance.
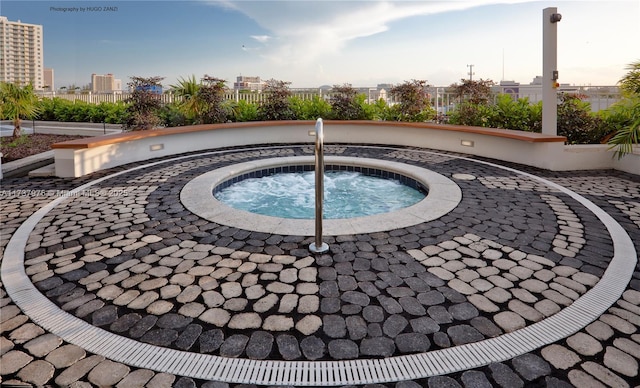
(318, 246)
(550, 19)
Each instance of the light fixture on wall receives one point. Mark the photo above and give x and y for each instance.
(467, 143)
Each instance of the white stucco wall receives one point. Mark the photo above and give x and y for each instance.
(547, 155)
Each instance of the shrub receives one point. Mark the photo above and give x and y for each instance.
(211, 94)
(48, 107)
(515, 114)
(57, 109)
(622, 121)
(173, 115)
(243, 111)
(577, 123)
(468, 113)
(345, 104)
(110, 113)
(144, 104)
(277, 104)
(476, 92)
(312, 109)
(382, 111)
(625, 115)
(414, 104)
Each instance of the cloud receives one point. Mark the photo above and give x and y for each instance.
(303, 31)
(261, 38)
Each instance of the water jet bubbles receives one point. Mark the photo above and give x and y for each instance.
(292, 195)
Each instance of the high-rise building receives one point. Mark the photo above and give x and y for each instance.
(105, 83)
(248, 83)
(21, 53)
(48, 79)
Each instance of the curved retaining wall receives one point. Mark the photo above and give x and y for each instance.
(83, 156)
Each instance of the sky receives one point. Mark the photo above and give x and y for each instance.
(314, 43)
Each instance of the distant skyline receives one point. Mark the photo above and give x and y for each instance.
(314, 43)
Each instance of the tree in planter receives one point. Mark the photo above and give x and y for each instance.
(475, 92)
(276, 104)
(627, 113)
(414, 104)
(211, 93)
(576, 122)
(473, 108)
(468, 113)
(18, 103)
(345, 105)
(145, 104)
(190, 105)
(519, 114)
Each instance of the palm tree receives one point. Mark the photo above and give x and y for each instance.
(630, 83)
(191, 105)
(625, 139)
(18, 103)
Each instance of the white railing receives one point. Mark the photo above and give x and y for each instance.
(600, 97)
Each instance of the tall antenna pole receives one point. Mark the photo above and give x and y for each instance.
(471, 73)
(503, 64)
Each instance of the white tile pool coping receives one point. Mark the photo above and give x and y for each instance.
(444, 195)
(569, 320)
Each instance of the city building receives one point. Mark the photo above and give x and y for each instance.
(21, 53)
(105, 83)
(248, 83)
(48, 79)
(599, 97)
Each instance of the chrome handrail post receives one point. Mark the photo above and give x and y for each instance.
(318, 246)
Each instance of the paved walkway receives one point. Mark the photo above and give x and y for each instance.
(123, 255)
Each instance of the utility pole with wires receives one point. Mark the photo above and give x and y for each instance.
(471, 73)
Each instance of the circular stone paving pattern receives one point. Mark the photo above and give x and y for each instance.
(131, 259)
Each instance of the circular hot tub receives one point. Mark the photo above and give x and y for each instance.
(349, 191)
(443, 195)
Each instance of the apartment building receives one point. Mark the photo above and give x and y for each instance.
(48, 79)
(106, 83)
(21, 53)
(248, 83)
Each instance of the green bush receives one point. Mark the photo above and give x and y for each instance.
(47, 109)
(622, 122)
(110, 112)
(577, 123)
(469, 113)
(413, 102)
(380, 110)
(312, 109)
(515, 114)
(57, 109)
(243, 111)
(625, 115)
(143, 109)
(277, 104)
(347, 104)
(173, 115)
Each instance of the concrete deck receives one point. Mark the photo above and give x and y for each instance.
(532, 280)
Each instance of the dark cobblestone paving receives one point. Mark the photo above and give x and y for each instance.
(512, 253)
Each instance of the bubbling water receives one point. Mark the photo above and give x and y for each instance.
(346, 195)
